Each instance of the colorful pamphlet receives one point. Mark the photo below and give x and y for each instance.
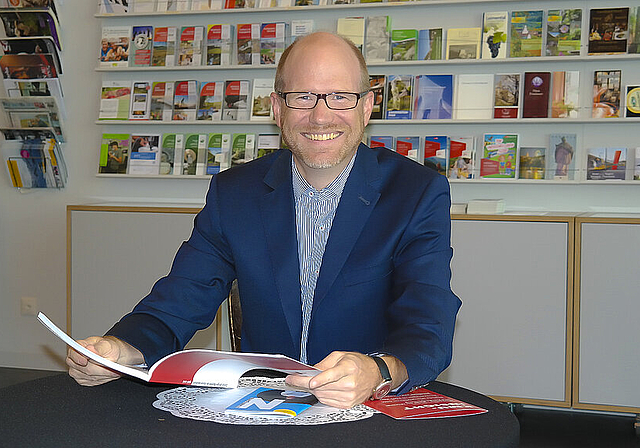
(564, 32)
(408, 147)
(382, 141)
(462, 155)
(352, 28)
(526, 34)
(165, 43)
(499, 156)
(433, 97)
(236, 101)
(114, 46)
(261, 99)
(144, 155)
(190, 48)
(185, 100)
(377, 43)
(171, 157)
(608, 30)
(404, 45)
(377, 83)
(506, 95)
(430, 44)
(494, 35)
(632, 101)
(140, 100)
(606, 94)
(114, 152)
(606, 163)
(161, 101)
(436, 148)
(399, 96)
(141, 46)
(115, 97)
(463, 43)
(535, 96)
(210, 103)
(248, 43)
(565, 92)
(272, 42)
(561, 161)
(218, 153)
(532, 162)
(219, 44)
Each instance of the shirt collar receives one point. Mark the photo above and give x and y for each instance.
(334, 189)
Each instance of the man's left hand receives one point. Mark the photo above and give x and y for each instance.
(347, 379)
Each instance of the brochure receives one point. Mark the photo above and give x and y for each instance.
(205, 368)
(423, 403)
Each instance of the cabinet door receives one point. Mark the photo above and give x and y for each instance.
(115, 258)
(511, 335)
(609, 304)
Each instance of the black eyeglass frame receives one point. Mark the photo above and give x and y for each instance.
(323, 96)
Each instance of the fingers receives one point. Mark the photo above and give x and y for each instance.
(86, 372)
(347, 379)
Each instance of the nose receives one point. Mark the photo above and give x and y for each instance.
(321, 114)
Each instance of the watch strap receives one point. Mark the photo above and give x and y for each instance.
(384, 369)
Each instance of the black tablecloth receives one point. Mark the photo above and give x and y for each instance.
(56, 412)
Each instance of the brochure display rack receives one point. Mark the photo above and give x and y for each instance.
(32, 106)
(568, 62)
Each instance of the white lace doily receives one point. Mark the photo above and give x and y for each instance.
(209, 404)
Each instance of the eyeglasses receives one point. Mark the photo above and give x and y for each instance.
(309, 100)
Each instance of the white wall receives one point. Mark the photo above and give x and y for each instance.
(33, 225)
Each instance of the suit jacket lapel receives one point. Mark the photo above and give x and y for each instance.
(278, 215)
(359, 197)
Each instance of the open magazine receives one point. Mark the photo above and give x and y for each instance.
(207, 368)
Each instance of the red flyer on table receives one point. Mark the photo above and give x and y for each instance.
(423, 403)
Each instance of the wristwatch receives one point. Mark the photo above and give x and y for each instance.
(382, 389)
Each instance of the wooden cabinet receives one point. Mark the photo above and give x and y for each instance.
(513, 275)
(607, 348)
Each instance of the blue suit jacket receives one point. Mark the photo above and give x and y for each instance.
(384, 284)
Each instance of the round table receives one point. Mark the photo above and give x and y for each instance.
(56, 412)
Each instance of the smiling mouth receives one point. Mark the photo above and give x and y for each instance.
(322, 137)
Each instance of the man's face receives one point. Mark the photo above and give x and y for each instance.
(322, 138)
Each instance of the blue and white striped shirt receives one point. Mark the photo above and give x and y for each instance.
(314, 216)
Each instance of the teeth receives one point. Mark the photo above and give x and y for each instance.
(322, 137)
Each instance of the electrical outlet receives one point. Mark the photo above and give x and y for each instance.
(28, 306)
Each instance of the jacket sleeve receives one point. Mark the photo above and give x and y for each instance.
(423, 312)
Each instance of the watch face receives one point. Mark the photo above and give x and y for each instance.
(382, 390)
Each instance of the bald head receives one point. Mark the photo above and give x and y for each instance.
(322, 44)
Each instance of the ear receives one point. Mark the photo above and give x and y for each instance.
(367, 106)
(276, 105)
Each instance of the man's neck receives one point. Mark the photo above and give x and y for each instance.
(319, 178)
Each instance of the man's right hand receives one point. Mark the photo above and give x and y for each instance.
(88, 373)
